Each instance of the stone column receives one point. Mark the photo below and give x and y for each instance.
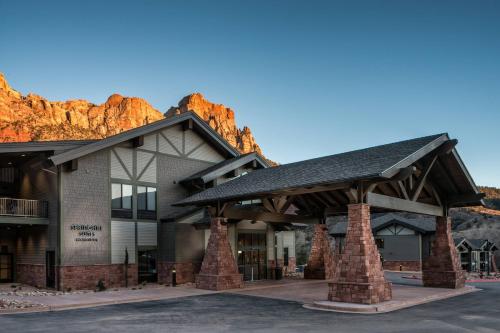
(442, 268)
(359, 277)
(321, 262)
(219, 270)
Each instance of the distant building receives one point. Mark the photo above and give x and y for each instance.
(404, 243)
(476, 255)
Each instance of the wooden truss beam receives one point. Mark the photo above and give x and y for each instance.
(422, 179)
(248, 214)
(391, 203)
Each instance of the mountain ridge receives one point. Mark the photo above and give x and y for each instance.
(34, 118)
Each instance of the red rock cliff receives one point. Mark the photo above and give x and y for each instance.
(32, 117)
(221, 118)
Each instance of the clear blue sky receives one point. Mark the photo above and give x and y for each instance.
(309, 78)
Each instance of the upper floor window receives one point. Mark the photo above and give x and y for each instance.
(146, 202)
(121, 200)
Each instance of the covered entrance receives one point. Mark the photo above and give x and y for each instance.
(252, 255)
(424, 176)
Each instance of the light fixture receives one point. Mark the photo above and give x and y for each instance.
(22, 155)
(10, 163)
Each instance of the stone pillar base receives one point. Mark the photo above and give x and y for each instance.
(219, 282)
(442, 268)
(359, 277)
(444, 279)
(321, 262)
(219, 270)
(364, 293)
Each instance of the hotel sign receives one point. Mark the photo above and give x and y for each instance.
(86, 232)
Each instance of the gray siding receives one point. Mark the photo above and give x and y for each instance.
(86, 200)
(400, 247)
(190, 243)
(34, 241)
(170, 171)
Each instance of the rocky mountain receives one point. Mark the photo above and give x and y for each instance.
(32, 117)
(492, 199)
(221, 118)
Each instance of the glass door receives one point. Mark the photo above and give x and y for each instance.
(252, 255)
(147, 266)
(6, 263)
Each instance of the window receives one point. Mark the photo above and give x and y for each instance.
(379, 242)
(146, 202)
(121, 200)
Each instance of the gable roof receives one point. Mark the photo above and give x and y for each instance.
(476, 244)
(224, 167)
(381, 162)
(421, 225)
(199, 124)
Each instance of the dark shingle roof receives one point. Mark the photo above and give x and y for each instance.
(224, 167)
(422, 225)
(349, 166)
(34, 146)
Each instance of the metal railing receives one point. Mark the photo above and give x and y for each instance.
(23, 207)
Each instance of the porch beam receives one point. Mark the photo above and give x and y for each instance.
(245, 214)
(384, 201)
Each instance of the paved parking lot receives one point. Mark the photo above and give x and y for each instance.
(476, 312)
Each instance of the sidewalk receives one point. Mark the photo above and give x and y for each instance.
(90, 299)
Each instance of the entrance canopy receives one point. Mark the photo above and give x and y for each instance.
(424, 175)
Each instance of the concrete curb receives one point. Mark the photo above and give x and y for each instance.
(385, 307)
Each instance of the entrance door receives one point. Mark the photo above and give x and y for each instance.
(50, 269)
(252, 255)
(6, 267)
(147, 266)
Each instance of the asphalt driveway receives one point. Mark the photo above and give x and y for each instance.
(476, 312)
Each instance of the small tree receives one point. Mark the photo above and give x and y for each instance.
(126, 267)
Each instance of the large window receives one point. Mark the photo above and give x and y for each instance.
(146, 202)
(121, 200)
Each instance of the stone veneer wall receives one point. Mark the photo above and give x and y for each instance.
(442, 268)
(321, 262)
(359, 277)
(219, 270)
(87, 276)
(406, 265)
(31, 274)
(185, 271)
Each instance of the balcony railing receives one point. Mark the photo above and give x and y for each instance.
(23, 207)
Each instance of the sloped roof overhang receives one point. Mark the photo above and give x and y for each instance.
(369, 166)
